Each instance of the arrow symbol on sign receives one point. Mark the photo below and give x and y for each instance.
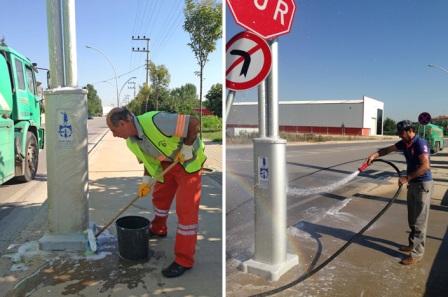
(246, 56)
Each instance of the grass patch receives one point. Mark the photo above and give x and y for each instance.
(215, 136)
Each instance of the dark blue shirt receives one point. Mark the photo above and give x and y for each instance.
(412, 152)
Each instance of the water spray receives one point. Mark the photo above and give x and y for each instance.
(330, 187)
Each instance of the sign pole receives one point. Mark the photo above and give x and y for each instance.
(229, 102)
(272, 92)
(271, 259)
(262, 109)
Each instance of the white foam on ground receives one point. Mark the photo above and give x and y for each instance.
(31, 249)
(25, 251)
(91, 257)
(323, 189)
(18, 267)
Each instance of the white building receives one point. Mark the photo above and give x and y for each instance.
(343, 117)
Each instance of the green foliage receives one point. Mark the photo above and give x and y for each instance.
(203, 21)
(389, 127)
(94, 106)
(184, 99)
(214, 99)
(215, 136)
(179, 100)
(212, 123)
(160, 79)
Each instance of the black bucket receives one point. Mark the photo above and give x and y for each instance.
(132, 233)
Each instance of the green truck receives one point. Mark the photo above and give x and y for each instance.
(21, 134)
(433, 135)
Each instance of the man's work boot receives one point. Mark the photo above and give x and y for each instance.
(405, 248)
(159, 232)
(174, 270)
(409, 260)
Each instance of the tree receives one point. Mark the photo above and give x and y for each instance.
(160, 79)
(203, 23)
(184, 99)
(94, 106)
(390, 127)
(214, 99)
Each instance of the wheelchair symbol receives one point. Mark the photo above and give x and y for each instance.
(65, 130)
(263, 170)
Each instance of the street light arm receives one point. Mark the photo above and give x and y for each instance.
(439, 67)
(113, 68)
(121, 89)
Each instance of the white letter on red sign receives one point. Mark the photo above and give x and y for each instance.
(281, 11)
(263, 6)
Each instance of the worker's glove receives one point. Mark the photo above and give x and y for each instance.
(145, 186)
(186, 153)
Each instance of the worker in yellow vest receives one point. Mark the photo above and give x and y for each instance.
(158, 139)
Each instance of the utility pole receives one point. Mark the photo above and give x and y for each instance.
(144, 50)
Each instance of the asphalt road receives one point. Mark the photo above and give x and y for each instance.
(20, 202)
(307, 167)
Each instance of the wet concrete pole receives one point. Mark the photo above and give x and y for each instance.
(66, 130)
(271, 259)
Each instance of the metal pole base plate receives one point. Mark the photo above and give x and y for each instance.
(268, 271)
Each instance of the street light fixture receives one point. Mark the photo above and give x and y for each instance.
(121, 89)
(113, 68)
(439, 67)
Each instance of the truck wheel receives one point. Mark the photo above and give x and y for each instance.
(31, 158)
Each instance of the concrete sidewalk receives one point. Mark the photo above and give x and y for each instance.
(113, 175)
(370, 265)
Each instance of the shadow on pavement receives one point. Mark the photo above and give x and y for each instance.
(437, 280)
(402, 202)
(316, 231)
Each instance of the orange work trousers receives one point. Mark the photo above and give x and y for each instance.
(186, 187)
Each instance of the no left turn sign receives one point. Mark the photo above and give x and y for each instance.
(248, 61)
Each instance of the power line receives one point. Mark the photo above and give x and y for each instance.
(118, 76)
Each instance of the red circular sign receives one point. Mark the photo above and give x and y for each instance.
(268, 18)
(424, 118)
(248, 61)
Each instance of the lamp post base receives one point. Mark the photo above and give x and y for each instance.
(269, 271)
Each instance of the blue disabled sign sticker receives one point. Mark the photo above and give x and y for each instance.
(263, 171)
(64, 128)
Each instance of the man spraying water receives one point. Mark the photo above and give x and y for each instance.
(420, 185)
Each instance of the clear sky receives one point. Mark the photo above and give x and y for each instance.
(109, 25)
(346, 49)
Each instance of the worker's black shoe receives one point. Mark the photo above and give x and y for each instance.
(174, 270)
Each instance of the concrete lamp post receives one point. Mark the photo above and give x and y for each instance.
(113, 68)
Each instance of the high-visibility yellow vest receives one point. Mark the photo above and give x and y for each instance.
(169, 146)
